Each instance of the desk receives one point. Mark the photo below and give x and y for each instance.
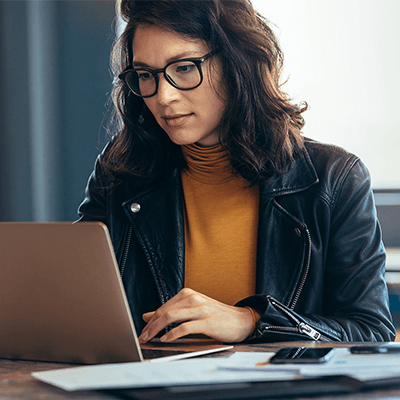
(16, 382)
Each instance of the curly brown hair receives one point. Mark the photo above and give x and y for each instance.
(260, 129)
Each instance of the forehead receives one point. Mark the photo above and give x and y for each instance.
(154, 45)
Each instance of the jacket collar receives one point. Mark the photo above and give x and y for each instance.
(300, 175)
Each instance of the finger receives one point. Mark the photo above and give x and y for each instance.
(159, 321)
(186, 298)
(180, 299)
(153, 319)
(150, 330)
(171, 312)
(184, 329)
(233, 326)
(147, 316)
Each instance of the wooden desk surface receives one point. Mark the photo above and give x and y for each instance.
(17, 383)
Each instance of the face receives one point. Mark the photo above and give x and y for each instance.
(190, 116)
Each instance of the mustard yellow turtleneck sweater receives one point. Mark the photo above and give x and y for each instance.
(221, 221)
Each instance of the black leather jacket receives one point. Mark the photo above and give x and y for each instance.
(320, 258)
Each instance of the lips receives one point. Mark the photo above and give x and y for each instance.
(176, 120)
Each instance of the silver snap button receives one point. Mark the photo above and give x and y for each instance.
(135, 207)
(298, 231)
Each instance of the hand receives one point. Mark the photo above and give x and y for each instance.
(198, 314)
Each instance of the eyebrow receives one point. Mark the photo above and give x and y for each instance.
(176, 57)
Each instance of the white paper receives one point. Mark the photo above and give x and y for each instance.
(143, 374)
(361, 366)
(240, 367)
(256, 361)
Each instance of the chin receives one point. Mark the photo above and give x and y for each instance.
(182, 141)
(187, 139)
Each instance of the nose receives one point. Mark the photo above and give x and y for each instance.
(166, 92)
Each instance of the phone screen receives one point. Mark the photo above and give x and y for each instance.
(302, 355)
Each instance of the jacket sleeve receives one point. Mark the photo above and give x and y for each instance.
(93, 207)
(355, 293)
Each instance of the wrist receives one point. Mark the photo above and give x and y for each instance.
(256, 316)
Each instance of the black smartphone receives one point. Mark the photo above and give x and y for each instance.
(384, 348)
(302, 355)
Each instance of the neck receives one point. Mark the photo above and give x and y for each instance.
(209, 165)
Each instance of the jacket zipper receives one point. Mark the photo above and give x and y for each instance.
(303, 279)
(125, 257)
(126, 249)
(301, 327)
(123, 263)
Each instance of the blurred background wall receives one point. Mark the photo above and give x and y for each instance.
(54, 86)
(343, 58)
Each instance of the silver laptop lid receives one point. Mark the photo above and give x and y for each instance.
(61, 295)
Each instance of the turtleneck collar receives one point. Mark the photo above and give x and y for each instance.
(208, 165)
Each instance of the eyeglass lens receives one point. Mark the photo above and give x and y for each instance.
(181, 74)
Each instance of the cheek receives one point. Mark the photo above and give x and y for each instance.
(215, 107)
(216, 99)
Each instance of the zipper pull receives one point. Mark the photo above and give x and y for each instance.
(311, 332)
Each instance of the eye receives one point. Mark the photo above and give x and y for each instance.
(185, 68)
(143, 75)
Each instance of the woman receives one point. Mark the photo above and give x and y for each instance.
(224, 219)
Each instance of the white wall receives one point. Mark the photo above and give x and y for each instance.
(343, 58)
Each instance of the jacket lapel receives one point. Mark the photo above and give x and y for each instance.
(283, 239)
(300, 176)
(157, 219)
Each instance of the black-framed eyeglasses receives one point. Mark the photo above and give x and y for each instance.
(185, 74)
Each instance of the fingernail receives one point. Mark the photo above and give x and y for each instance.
(163, 339)
(143, 337)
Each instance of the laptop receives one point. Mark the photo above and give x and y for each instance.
(62, 298)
